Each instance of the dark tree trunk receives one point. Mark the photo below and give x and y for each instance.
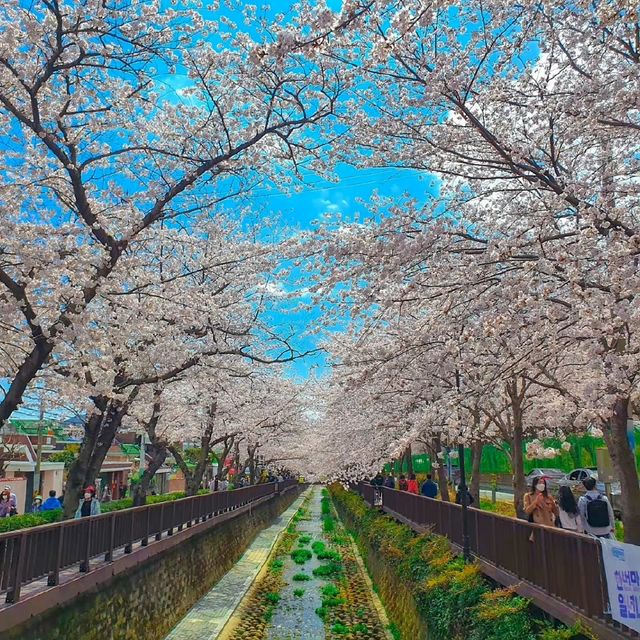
(100, 431)
(517, 463)
(409, 458)
(157, 454)
(476, 460)
(624, 464)
(80, 466)
(443, 484)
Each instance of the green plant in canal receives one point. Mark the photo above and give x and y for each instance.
(328, 570)
(318, 546)
(322, 612)
(325, 506)
(298, 593)
(300, 556)
(272, 597)
(305, 539)
(301, 577)
(394, 631)
(276, 566)
(340, 629)
(359, 628)
(328, 524)
(330, 590)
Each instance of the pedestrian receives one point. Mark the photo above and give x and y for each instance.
(51, 503)
(223, 485)
(389, 482)
(539, 506)
(596, 512)
(123, 491)
(213, 485)
(402, 483)
(36, 506)
(429, 488)
(5, 504)
(412, 485)
(106, 494)
(569, 517)
(378, 481)
(89, 505)
(14, 500)
(459, 495)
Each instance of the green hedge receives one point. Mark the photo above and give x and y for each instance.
(36, 519)
(453, 598)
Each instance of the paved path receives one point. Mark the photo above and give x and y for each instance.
(209, 615)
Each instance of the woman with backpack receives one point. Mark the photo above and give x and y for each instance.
(539, 505)
(402, 483)
(568, 513)
(412, 485)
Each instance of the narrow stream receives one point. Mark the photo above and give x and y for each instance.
(313, 587)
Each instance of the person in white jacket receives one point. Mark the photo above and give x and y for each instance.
(568, 512)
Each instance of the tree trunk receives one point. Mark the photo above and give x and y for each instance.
(158, 454)
(624, 463)
(409, 458)
(476, 459)
(517, 463)
(78, 469)
(443, 485)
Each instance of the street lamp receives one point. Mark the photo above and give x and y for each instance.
(464, 501)
(464, 494)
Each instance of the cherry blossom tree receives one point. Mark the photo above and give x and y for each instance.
(97, 157)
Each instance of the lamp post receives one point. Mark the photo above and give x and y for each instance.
(464, 493)
(464, 501)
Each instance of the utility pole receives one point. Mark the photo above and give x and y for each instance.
(37, 489)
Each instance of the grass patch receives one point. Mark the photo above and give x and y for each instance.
(340, 629)
(328, 570)
(325, 506)
(272, 597)
(322, 613)
(277, 566)
(298, 593)
(300, 556)
(305, 539)
(318, 546)
(330, 590)
(328, 524)
(301, 577)
(394, 631)
(359, 628)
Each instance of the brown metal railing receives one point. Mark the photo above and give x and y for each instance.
(566, 566)
(38, 552)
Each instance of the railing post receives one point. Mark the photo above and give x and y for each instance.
(173, 514)
(191, 504)
(13, 592)
(84, 564)
(108, 557)
(145, 540)
(129, 546)
(54, 577)
(159, 534)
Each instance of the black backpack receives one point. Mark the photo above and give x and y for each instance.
(597, 512)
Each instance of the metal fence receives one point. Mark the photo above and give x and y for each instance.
(38, 552)
(565, 566)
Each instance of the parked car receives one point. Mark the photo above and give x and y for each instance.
(574, 480)
(552, 476)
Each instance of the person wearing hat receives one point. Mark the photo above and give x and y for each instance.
(36, 507)
(89, 506)
(14, 500)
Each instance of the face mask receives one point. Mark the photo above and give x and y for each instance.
(541, 487)
(88, 496)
